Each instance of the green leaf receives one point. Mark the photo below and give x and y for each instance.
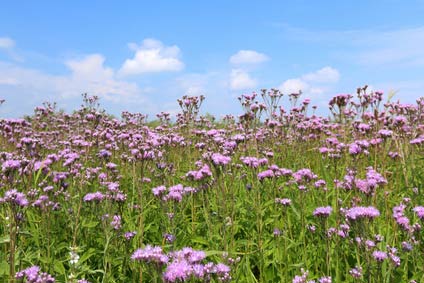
(297, 265)
(200, 241)
(4, 268)
(89, 253)
(89, 224)
(5, 239)
(210, 253)
(59, 268)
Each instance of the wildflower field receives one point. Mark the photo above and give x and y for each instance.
(277, 194)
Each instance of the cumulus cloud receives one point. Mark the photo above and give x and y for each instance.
(87, 74)
(314, 83)
(243, 62)
(324, 75)
(241, 80)
(294, 86)
(152, 56)
(248, 57)
(7, 43)
(90, 68)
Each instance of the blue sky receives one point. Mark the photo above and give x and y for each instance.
(141, 56)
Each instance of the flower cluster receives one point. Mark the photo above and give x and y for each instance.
(174, 193)
(34, 275)
(181, 265)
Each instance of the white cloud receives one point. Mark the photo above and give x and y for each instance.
(90, 75)
(7, 43)
(294, 86)
(87, 75)
(316, 82)
(324, 75)
(8, 81)
(241, 80)
(248, 57)
(90, 68)
(152, 56)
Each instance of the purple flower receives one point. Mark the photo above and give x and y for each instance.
(198, 270)
(418, 140)
(369, 244)
(385, 133)
(130, 235)
(354, 149)
(301, 278)
(189, 255)
(253, 161)
(283, 201)
(323, 211)
(304, 175)
(266, 174)
(159, 191)
(320, 183)
(358, 212)
(104, 153)
(150, 254)
(379, 255)
(325, 279)
(10, 164)
(419, 210)
(223, 272)
(407, 247)
(356, 272)
(175, 193)
(15, 197)
(33, 275)
(277, 232)
(394, 259)
(97, 196)
(219, 159)
(178, 271)
(169, 238)
(116, 222)
(200, 174)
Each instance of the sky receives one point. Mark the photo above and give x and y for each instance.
(141, 56)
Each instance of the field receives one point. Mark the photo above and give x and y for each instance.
(277, 194)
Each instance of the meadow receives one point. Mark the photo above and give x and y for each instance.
(277, 194)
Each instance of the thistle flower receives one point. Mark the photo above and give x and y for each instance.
(325, 279)
(129, 235)
(178, 271)
(15, 197)
(283, 201)
(379, 255)
(219, 159)
(97, 196)
(419, 211)
(359, 212)
(323, 211)
(150, 254)
(116, 222)
(33, 275)
(356, 272)
(10, 165)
